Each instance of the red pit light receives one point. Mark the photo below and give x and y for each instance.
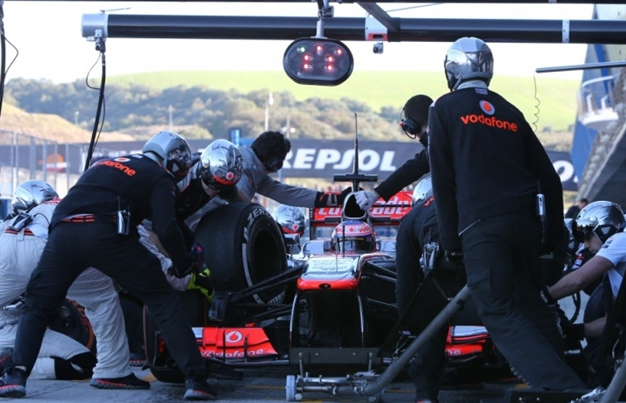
(330, 63)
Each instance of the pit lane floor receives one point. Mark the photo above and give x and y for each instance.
(258, 385)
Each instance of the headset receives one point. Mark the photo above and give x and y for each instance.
(410, 127)
(274, 164)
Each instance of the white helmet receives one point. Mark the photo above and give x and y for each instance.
(221, 165)
(30, 194)
(291, 219)
(174, 151)
(423, 190)
(604, 218)
(468, 58)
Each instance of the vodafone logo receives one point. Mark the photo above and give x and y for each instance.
(487, 107)
(230, 176)
(121, 159)
(233, 337)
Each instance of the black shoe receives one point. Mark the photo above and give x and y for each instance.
(137, 358)
(125, 382)
(13, 383)
(199, 389)
(6, 359)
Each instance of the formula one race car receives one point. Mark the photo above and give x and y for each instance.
(328, 307)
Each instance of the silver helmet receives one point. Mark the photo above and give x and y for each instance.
(221, 165)
(603, 218)
(468, 58)
(291, 219)
(30, 194)
(423, 190)
(174, 151)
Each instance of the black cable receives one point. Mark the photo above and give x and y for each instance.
(96, 130)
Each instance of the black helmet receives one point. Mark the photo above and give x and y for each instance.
(423, 190)
(221, 165)
(291, 219)
(30, 194)
(468, 58)
(173, 150)
(604, 218)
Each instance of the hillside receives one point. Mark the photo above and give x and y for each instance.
(550, 106)
(49, 127)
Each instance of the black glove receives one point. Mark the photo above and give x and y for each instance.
(325, 200)
(202, 281)
(193, 264)
(546, 296)
(342, 196)
(455, 257)
(575, 331)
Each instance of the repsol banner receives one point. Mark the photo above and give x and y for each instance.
(324, 158)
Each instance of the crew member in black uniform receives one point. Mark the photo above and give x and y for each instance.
(414, 124)
(487, 169)
(420, 229)
(214, 172)
(95, 225)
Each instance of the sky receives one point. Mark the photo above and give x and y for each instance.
(48, 37)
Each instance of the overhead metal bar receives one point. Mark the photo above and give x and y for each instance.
(587, 66)
(352, 29)
(368, 1)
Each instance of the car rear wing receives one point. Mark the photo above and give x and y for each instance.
(382, 214)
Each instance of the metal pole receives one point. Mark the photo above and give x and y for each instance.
(67, 165)
(615, 388)
(44, 160)
(440, 320)
(353, 29)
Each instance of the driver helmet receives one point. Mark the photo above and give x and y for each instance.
(423, 190)
(173, 150)
(353, 236)
(30, 194)
(291, 219)
(603, 218)
(468, 58)
(221, 165)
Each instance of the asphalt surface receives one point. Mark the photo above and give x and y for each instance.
(257, 385)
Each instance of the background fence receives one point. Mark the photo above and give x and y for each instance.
(24, 157)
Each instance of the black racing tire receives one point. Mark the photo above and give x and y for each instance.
(161, 365)
(72, 321)
(243, 245)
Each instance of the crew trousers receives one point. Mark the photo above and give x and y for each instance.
(74, 247)
(501, 256)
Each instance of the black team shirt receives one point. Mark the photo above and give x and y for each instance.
(142, 187)
(486, 161)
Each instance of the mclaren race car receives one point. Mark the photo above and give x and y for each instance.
(328, 308)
